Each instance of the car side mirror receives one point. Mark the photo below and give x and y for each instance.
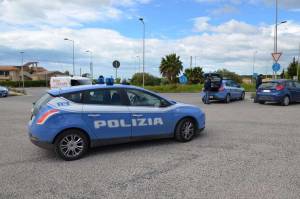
(163, 104)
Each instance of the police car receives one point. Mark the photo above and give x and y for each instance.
(72, 120)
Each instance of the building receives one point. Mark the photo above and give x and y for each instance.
(31, 72)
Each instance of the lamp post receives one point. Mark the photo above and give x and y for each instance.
(91, 63)
(144, 35)
(139, 61)
(254, 59)
(22, 67)
(66, 39)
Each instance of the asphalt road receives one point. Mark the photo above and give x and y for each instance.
(247, 151)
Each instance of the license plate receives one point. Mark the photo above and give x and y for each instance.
(266, 91)
(211, 97)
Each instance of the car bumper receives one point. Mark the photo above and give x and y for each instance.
(3, 93)
(41, 144)
(215, 95)
(269, 97)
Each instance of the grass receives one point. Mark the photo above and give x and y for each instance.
(176, 88)
(188, 88)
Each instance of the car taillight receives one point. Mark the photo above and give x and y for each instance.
(221, 88)
(279, 88)
(46, 115)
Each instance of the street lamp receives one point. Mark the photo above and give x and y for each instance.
(91, 63)
(254, 58)
(22, 68)
(276, 35)
(139, 60)
(66, 39)
(144, 35)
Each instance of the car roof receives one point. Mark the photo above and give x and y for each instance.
(60, 91)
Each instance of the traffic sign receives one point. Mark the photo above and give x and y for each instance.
(183, 79)
(276, 56)
(116, 64)
(276, 67)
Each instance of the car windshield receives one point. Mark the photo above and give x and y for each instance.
(79, 82)
(269, 85)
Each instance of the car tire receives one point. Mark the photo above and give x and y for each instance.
(71, 145)
(285, 101)
(242, 96)
(185, 130)
(261, 102)
(227, 99)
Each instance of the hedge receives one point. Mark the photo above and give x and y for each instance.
(38, 83)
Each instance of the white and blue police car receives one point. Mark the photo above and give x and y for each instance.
(72, 120)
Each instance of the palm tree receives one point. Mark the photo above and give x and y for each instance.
(170, 67)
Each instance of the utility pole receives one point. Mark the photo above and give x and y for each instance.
(144, 36)
(254, 59)
(191, 62)
(298, 68)
(66, 39)
(91, 64)
(22, 67)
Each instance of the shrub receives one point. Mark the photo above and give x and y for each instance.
(150, 80)
(38, 83)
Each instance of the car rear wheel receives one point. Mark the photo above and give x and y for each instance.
(285, 101)
(227, 99)
(185, 130)
(71, 145)
(261, 102)
(242, 96)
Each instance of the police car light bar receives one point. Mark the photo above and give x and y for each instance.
(47, 115)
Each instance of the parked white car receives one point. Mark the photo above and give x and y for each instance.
(67, 81)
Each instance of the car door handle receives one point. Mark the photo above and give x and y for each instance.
(94, 115)
(137, 115)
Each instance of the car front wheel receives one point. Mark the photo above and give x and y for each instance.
(242, 96)
(185, 130)
(71, 145)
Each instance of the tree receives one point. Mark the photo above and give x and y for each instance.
(150, 80)
(231, 75)
(170, 67)
(292, 69)
(194, 75)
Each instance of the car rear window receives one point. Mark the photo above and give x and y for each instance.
(73, 97)
(41, 102)
(269, 85)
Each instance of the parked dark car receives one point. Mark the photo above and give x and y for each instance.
(3, 91)
(280, 91)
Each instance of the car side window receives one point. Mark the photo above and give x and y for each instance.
(73, 97)
(228, 83)
(102, 97)
(290, 84)
(141, 98)
(297, 84)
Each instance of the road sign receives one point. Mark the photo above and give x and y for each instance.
(183, 79)
(116, 64)
(276, 67)
(276, 56)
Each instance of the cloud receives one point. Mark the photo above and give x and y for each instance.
(224, 10)
(61, 12)
(229, 45)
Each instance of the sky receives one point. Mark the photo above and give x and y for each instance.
(217, 33)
